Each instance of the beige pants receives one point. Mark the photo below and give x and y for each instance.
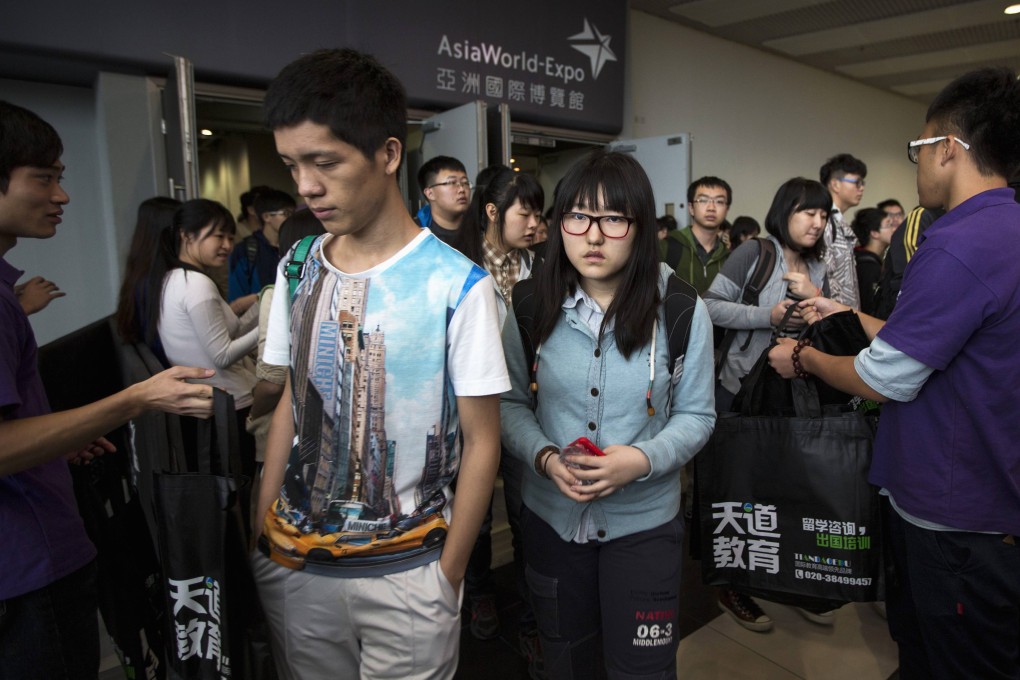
(404, 625)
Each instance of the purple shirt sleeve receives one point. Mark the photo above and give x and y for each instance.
(941, 305)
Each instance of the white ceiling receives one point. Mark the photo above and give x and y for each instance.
(911, 47)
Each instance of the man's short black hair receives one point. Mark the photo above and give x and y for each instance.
(25, 140)
(248, 197)
(351, 93)
(269, 200)
(840, 166)
(866, 221)
(708, 182)
(888, 203)
(983, 108)
(433, 166)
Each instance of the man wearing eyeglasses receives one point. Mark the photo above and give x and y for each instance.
(843, 176)
(253, 261)
(946, 454)
(446, 187)
(697, 252)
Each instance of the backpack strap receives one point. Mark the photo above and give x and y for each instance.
(681, 298)
(251, 246)
(251, 249)
(759, 277)
(762, 272)
(525, 308)
(673, 252)
(295, 269)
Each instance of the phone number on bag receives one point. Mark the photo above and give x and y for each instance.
(832, 578)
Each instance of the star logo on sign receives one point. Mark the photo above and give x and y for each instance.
(593, 45)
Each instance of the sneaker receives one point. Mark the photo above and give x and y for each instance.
(744, 611)
(821, 618)
(531, 648)
(484, 619)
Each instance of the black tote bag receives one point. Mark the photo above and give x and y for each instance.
(216, 627)
(786, 511)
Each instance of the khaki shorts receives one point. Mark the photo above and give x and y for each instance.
(401, 626)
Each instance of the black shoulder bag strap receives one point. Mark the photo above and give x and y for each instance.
(673, 252)
(251, 246)
(525, 308)
(759, 277)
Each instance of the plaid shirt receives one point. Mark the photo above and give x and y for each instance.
(504, 267)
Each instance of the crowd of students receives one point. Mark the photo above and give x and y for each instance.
(416, 358)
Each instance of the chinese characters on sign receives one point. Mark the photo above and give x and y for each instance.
(483, 67)
(197, 620)
(742, 536)
(839, 535)
(471, 82)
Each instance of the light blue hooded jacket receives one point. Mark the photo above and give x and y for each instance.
(601, 396)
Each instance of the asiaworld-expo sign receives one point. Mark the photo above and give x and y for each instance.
(552, 63)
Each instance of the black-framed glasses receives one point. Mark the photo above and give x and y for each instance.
(453, 184)
(718, 201)
(285, 212)
(859, 182)
(611, 226)
(914, 146)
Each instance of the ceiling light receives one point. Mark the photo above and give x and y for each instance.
(206, 132)
(1012, 9)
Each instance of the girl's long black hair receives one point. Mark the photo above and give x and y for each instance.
(191, 218)
(605, 180)
(155, 215)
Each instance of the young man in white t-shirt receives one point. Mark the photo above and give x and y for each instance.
(396, 368)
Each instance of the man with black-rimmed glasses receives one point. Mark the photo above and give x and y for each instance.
(446, 187)
(697, 252)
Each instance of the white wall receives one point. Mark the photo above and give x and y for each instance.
(114, 159)
(757, 120)
(78, 258)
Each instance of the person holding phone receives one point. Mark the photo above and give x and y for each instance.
(603, 545)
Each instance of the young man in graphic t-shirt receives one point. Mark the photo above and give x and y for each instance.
(396, 369)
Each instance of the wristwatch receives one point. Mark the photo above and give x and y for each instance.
(540, 459)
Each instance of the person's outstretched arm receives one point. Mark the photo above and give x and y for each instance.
(27, 442)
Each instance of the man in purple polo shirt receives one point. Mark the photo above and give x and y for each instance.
(947, 454)
(48, 625)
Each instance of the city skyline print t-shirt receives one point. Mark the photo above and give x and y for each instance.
(377, 360)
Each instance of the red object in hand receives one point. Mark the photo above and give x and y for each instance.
(586, 444)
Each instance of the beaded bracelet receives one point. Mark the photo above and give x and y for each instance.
(542, 460)
(798, 370)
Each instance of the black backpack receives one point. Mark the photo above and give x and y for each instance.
(679, 302)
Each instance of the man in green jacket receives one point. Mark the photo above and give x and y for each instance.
(697, 252)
